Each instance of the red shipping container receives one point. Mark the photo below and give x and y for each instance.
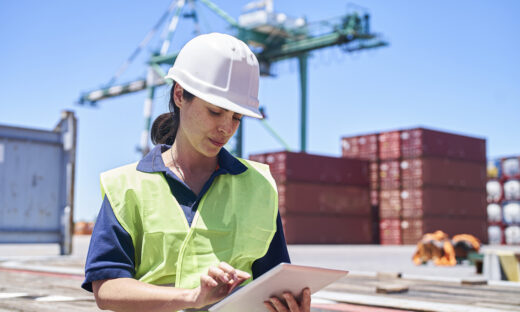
(319, 229)
(421, 142)
(419, 172)
(390, 231)
(389, 145)
(390, 204)
(374, 197)
(362, 147)
(303, 167)
(389, 175)
(297, 197)
(373, 171)
(443, 202)
(450, 225)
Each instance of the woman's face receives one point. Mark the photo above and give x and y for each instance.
(205, 126)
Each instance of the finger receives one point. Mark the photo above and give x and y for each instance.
(218, 274)
(269, 306)
(305, 305)
(291, 302)
(228, 269)
(208, 281)
(280, 307)
(242, 274)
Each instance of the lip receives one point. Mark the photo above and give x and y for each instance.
(217, 143)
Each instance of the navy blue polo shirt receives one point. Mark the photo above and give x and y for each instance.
(111, 251)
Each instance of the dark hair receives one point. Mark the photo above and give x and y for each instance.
(164, 127)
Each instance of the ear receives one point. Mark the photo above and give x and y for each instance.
(177, 95)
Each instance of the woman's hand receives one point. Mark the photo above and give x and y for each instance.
(217, 284)
(289, 303)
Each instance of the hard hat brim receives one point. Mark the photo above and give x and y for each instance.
(217, 100)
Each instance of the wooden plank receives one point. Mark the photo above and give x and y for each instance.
(391, 288)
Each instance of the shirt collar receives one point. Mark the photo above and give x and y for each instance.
(153, 161)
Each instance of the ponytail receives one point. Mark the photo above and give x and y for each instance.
(165, 126)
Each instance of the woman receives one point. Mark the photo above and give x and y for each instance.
(190, 215)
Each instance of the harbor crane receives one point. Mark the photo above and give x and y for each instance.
(272, 36)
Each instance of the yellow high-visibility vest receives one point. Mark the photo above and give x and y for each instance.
(235, 222)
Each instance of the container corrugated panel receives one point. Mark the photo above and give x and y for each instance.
(421, 142)
(437, 201)
(303, 167)
(389, 145)
(323, 229)
(390, 231)
(350, 147)
(411, 231)
(390, 204)
(511, 167)
(374, 175)
(362, 147)
(374, 197)
(450, 225)
(298, 197)
(389, 174)
(421, 172)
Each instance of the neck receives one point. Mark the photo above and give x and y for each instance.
(189, 159)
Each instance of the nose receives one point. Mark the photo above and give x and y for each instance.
(227, 126)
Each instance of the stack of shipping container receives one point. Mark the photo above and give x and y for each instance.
(422, 181)
(322, 200)
(503, 197)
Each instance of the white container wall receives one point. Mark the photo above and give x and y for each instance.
(494, 191)
(512, 190)
(511, 167)
(512, 213)
(494, 212)
(512, 235)
(494, 235)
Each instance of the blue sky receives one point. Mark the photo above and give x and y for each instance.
(451, 65)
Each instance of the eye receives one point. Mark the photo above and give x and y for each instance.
(214, 113)
(237, 117)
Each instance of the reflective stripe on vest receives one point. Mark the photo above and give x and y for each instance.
(235, 222)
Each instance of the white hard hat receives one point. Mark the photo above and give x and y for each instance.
(221, 70)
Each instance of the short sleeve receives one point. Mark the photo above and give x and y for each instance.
(111, 251)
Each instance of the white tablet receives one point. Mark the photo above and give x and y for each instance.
(282, 278)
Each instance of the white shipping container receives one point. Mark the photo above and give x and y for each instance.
(512, 190)
(512, 213)
(511, 167)
(512, 234)
(494, 235)
(494, 191)
(494, 212)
